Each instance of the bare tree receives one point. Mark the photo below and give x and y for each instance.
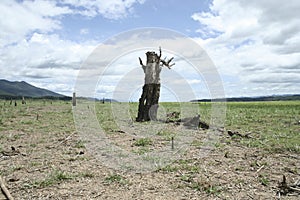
(148, 103)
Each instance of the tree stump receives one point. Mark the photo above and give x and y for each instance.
(148, 103)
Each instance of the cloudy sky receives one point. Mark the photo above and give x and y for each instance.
(253, 45)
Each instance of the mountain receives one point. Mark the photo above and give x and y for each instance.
(14, 89)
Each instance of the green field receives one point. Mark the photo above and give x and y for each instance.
(273, 125)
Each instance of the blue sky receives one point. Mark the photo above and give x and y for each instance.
(164, 14)
(254, 45)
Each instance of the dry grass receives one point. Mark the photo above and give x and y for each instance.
(50, 161)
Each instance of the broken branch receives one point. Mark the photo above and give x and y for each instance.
(284, 188)
(167, 63)
(236, 133)
(159, 52)
(141, 62)
(5, 190)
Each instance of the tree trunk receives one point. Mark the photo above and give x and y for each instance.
(148, 103)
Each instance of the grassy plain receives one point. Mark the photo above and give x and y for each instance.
(42, 155)
(274, 125)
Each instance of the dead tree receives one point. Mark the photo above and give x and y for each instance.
(148, 103)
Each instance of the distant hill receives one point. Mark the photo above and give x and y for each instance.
(103, 100)
(17, 89)
(107, 100)
(287, 97)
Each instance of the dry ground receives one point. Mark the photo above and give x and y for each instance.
(43, 157)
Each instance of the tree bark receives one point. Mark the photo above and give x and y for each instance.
(148, 103)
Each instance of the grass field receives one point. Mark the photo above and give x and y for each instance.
(274, 125)
(42, 156)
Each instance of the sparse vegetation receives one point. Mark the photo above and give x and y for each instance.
(55, 177)
(116, 178)
(166, 134)
(79, 144)
(48, 153)
(142, 150)
(181, 165)
(263, 179)
(142, 142)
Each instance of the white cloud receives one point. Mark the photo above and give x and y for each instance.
(32, 51)
(44, 59)
(113, 9)
(84, 31)
(23, 18)
(20, 19)
(46, 8)
(257, 42)
(41, 50)
(192, 76)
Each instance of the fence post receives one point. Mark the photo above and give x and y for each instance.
(74, 99)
